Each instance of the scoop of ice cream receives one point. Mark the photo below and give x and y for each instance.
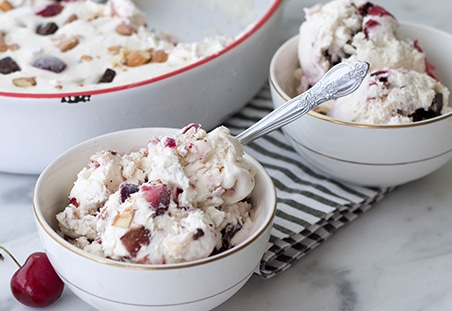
(352, 30)
(146, 224)
(92, 189)
(181, 198)
(393, 96)
(328, 28)
(401, 88)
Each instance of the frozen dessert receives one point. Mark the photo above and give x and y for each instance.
(353, 30)
(343, 30)
(181, 198)
(392, 96)
(49, 46)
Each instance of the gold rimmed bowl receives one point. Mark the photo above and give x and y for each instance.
(112, 285)
(365, 154)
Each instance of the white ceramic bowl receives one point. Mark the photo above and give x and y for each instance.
(111, 285)
(367, 154)
(34, 129)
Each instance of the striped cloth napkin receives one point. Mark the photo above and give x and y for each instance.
(311, 206)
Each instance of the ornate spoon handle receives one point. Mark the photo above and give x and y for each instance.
(342, 79)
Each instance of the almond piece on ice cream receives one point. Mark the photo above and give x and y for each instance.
(123, 220)
(115, 49)
(159, 56)
(3, 45)
(6, 6)
(13, 47)
(86, 58)
(70, 19)
(125, 29)
(68, 44)
(137, 58)
(24, 82)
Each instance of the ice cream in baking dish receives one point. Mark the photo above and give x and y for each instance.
(400, 88)
(49, 46)
(182, 198)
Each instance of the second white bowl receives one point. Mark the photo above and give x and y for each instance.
(369, 155)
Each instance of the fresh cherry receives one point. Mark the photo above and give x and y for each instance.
(126, 189)
(158, 196)
(35, 283)
(135, 238)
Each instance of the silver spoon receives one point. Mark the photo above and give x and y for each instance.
(342, 79)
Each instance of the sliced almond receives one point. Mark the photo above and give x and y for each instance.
(159, 56)
(86, 58)
(6, 6)
(3, 45)
(24, 82)
(70, 19)
(92, 17)
(115, 49)
(68, 44)
(137, 58)
(13, 47)
(123, 220)
(125, 29)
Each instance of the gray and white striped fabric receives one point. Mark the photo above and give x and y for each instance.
(311, 206)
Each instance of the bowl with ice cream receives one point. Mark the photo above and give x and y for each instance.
(72, 70)
(155, 218)
(395, 127)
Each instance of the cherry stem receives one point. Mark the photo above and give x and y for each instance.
(10, 255)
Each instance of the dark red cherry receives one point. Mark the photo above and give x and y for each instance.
(35, 283)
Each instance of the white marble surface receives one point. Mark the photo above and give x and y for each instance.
(397, 256)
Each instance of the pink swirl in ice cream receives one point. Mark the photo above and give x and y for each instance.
(182, 198)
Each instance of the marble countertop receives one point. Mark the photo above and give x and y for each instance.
(397, 256)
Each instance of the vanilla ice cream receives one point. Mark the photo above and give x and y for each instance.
(51, 46)
(393, 96)
(182, 198)
(342, 30)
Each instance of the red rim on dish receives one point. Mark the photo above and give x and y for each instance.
(198, 63)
